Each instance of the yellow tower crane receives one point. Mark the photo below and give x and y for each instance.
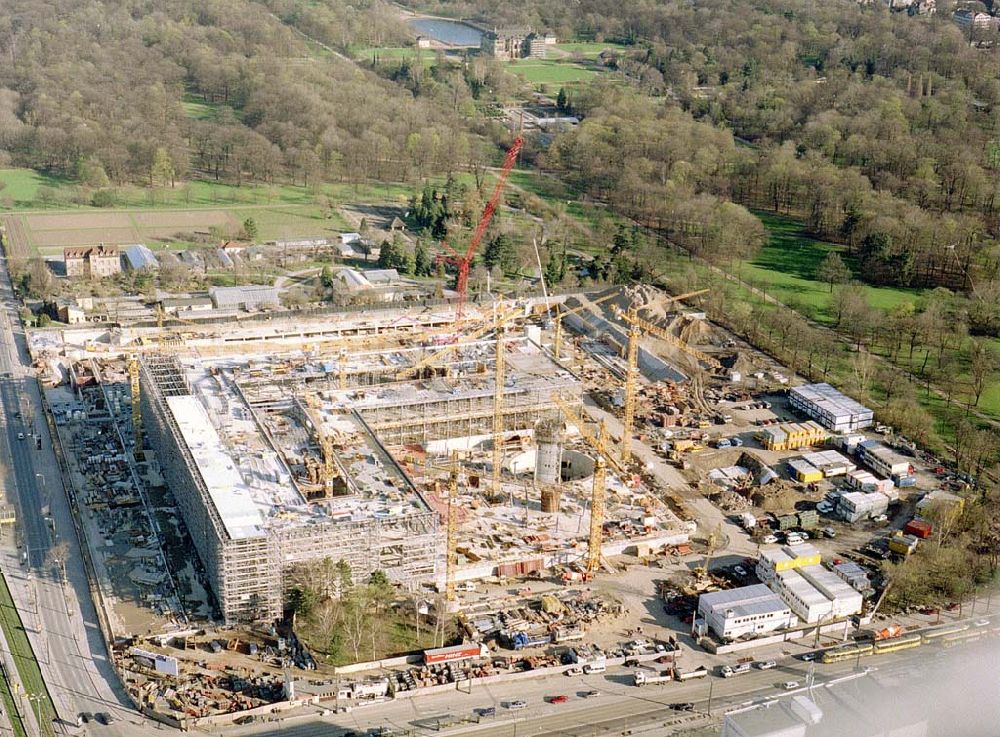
(132, 363)
(638, 326)
(498, 426)
(602, 458)
(451, 527)
(447, 350)
(451, 562)
(329, 472)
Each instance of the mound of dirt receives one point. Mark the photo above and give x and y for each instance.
(696, 332)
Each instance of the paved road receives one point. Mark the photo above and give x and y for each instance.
(59, 617)
(620, 707)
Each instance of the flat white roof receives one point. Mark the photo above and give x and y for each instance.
(743, 601)
(230, 495)
(829, 582)
(802, 588)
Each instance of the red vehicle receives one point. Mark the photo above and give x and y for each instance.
(560, 699)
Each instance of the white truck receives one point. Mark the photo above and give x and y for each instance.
(650, 677)
(728, 671)
(598, 665)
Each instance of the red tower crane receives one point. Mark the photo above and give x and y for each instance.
(463, 262)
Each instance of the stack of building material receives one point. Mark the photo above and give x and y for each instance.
(854, 574)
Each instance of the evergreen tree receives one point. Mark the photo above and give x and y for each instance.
(562, 100)
(500, 251)
(250, 229)
(326, 277)
(621, 242)
(553, 271)
(422, 265)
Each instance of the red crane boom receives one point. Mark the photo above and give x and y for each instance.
(464, 262)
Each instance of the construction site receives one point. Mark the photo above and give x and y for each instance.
(438, 452)
(434, 464)
(233, 477)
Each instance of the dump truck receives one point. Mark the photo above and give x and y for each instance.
(652, 677)
(699, 672)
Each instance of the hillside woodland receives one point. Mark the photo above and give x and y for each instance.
(880, 130)
(102, 92)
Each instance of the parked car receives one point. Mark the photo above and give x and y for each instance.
(982, 623)
(489, 711)
(683, 706)
(103, 717)
(590, 694)
(880, 518)
(560, 699)
(517, 704)
(766, 664)
(829, 532)
(769, 539)
(790, 685)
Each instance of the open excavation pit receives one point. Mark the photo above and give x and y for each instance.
(574, 465)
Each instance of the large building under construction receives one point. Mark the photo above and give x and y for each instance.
(279, 459)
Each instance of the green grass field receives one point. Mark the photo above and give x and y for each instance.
(786, 267)
(21, 186)
(554, 71)
(24, 658)
(590, 49)
(10, 709)
(197, 109)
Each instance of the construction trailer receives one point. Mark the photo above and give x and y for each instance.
(792, 435)
(831, 408)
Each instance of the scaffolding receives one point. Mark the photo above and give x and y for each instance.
(460, 414)
(248, 572)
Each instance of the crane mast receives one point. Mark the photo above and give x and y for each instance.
(498, 426)
(465, 261)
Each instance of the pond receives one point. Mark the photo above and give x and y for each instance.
(447, 31)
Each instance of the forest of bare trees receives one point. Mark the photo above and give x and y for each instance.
(94, 90)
